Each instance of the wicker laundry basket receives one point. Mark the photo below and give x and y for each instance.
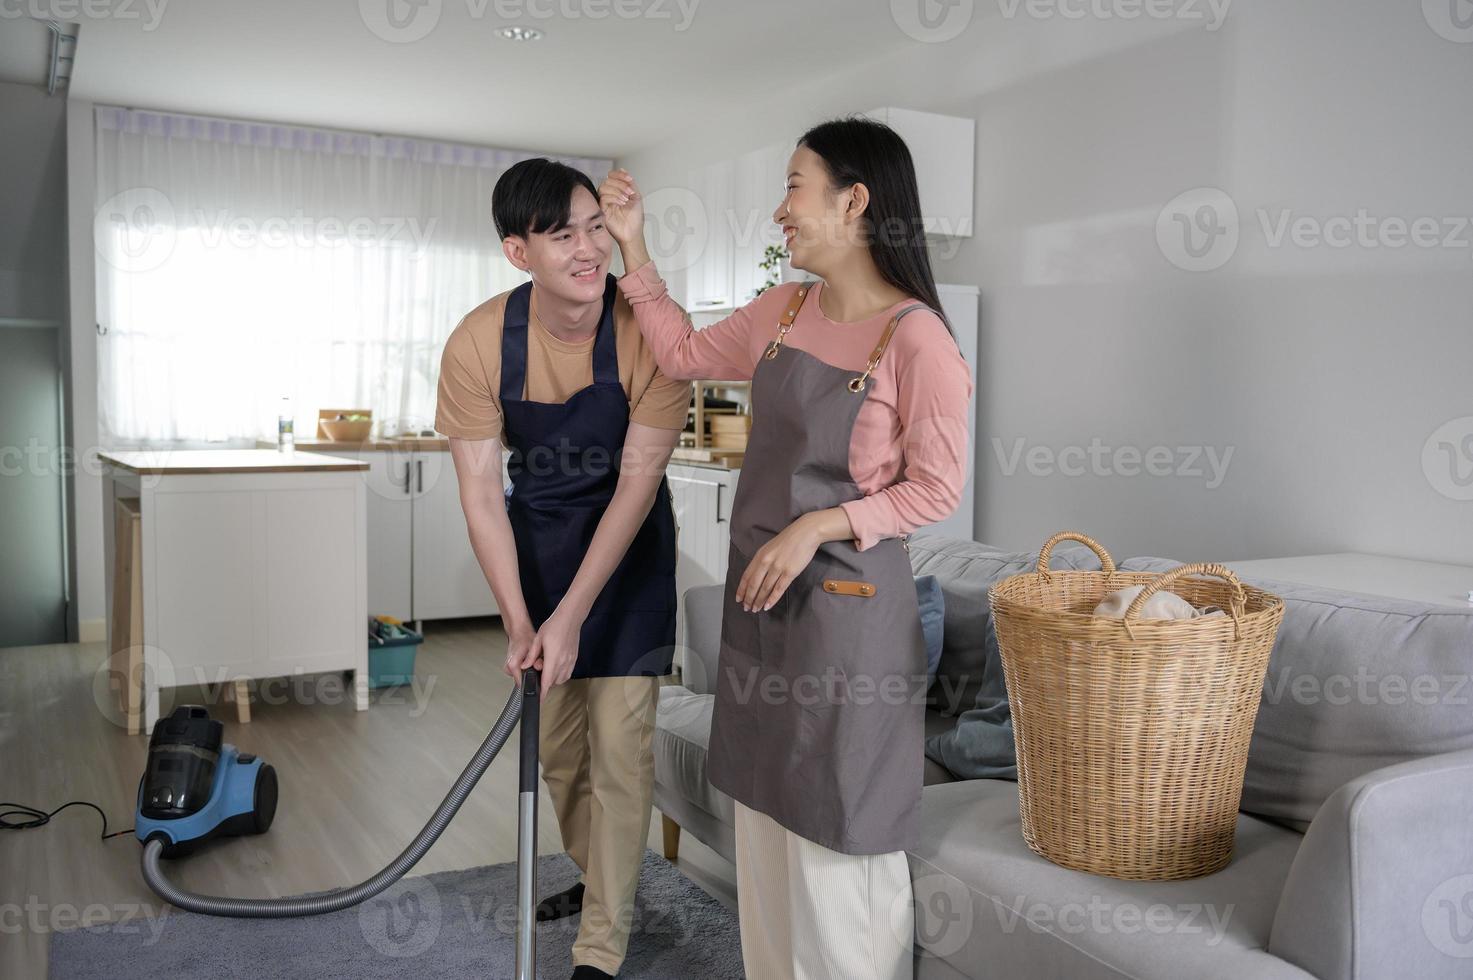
(1132, 734)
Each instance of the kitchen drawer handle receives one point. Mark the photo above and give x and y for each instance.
(719, 487)
(840, 586)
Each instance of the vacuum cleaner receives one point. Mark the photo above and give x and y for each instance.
(195, 787)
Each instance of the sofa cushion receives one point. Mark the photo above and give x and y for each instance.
(682, 740)
(1355, 683)
(966, 570)
(932, 602)
(989, 907)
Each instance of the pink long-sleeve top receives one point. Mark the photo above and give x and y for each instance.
(908, 451)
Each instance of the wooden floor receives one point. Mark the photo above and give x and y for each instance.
(355, 787)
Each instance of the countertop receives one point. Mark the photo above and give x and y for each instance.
(684, 455)
(173, 462)
(392, 444)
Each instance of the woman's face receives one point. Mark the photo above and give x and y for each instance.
(817, 223)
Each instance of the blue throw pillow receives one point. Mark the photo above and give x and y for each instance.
(933, 616)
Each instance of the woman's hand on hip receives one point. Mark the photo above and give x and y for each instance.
(623, 207)
(777, 563)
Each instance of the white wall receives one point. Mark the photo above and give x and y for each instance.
(1323, 371)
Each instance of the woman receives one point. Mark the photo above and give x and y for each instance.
(858, 437)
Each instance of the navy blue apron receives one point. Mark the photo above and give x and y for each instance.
(563, 469)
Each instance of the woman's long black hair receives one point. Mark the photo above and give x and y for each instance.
(860, 150)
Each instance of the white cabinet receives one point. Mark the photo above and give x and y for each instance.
(390, 578)
(756, 193)
(942, 148)
(420, 562)
(702, 496)
(448, 580)
(705, 243)
(737, 199)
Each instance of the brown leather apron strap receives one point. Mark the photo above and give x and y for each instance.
(857, 383)
(786, 323)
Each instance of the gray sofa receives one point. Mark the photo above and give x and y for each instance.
(1354, 855)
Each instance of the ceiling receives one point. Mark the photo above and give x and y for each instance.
(598, 84)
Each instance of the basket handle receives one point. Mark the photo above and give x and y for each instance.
(1107, 564)
(1236, 604)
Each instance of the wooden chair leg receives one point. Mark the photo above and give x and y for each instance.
(671, 831)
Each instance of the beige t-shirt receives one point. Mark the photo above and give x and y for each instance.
(468, 405)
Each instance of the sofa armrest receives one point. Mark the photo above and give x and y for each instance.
(702, 638)
(1382, 886)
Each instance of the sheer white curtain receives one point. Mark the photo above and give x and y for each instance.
(239, 262)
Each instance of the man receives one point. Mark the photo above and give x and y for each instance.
(580, 550)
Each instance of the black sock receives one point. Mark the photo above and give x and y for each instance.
(586, 972)
(563, 904)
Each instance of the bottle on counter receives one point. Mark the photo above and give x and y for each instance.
(285, 441)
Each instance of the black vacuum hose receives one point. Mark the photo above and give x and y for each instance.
(333, 901)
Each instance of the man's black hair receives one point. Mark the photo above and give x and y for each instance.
(535, 196)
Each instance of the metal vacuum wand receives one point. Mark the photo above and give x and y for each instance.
(527, 830)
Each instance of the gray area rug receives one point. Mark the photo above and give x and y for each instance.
(448, 925)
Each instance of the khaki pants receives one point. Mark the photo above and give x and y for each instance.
(810, 913)
(598, 764)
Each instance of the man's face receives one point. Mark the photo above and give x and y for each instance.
(570, 261)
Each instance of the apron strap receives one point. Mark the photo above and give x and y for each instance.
(857, 383)
(786, 323)
(514, 343)
(605, 345)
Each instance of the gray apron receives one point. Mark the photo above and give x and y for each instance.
(818, 720)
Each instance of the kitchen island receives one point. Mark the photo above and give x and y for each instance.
(254, 567)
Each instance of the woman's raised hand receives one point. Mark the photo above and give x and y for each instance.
(623, 206)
